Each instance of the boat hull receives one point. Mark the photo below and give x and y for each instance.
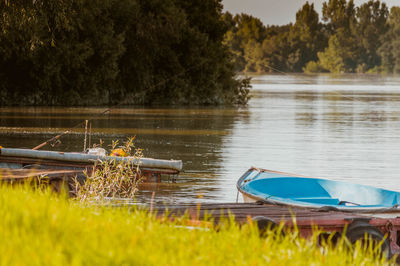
(248, 199)
(295, 190)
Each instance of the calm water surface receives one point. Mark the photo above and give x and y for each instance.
(340, 127)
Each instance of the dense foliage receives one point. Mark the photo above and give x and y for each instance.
(78, 52)
(348, 39)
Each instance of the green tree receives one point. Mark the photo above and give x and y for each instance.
(371, 26)
(341, 55)
(306, 38)
(211, 74)
(18, 27)
(244, 38)
(390, 48)
(78, 60)
(66, 52)
(276, 50)
(338, 14)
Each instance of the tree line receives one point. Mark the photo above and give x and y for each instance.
(349, 39)
(106, 52)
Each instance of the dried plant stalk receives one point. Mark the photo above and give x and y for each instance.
(112, 179)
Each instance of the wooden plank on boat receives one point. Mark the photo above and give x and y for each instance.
(7, 174)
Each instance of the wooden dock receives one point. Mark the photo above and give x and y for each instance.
(242, 212)
(381, 226)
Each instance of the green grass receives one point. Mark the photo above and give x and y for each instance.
(43, 229)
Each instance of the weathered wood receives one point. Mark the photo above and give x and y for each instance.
(304, 219)
(22, 174)
(242, 212)
(59, 180)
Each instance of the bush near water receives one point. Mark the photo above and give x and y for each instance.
(40, 228)
(97, 52)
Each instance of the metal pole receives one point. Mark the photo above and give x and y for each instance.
(90, 135)
(86, 131)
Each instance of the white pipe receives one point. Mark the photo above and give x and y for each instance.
(89, 158)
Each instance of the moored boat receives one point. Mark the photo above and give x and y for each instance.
(25, 159)
(295, 190)
(77, 157)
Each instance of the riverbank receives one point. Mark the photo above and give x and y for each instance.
(45, 229)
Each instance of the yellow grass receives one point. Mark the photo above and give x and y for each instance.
(40, 228)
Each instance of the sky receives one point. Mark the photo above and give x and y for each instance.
(280, 12)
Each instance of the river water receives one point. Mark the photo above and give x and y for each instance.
(344, 127)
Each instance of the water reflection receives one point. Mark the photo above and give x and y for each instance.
(192, 135)
(342, 127)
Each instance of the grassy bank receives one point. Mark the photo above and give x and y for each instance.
(42, 229)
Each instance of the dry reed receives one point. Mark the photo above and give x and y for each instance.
(112, 178)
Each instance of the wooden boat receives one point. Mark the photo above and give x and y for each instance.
(27, 161)
(294, 190)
